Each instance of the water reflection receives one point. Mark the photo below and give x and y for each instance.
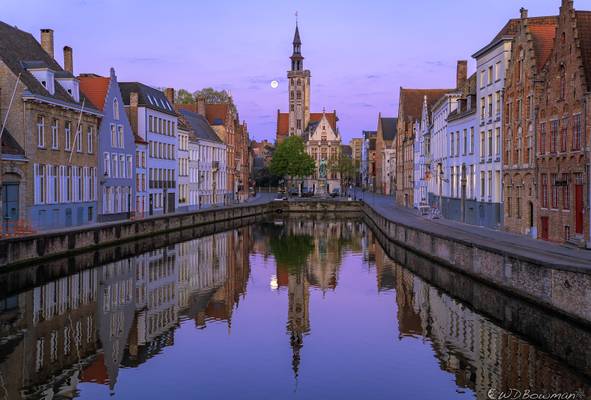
(67, 336)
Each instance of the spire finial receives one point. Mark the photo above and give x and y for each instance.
(296, 15)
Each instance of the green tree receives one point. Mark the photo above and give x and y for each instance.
(213, 96)
(291, 160)
(183, 96)
(345, 167)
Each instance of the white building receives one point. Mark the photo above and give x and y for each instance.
(491, 62)
(155, 121)
(183, 155)
(438, 183)
(207, 163)
(462, 124)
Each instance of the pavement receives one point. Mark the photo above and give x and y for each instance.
(519, 245)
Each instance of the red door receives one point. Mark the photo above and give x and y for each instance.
(579, 208)
(545, 228)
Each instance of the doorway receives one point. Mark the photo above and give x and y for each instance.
(579, 209)
(10, 204)
(544, 228)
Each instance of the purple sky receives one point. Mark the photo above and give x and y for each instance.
(359, 53)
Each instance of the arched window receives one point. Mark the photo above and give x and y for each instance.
(116, 109)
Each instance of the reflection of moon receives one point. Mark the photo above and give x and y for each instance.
(274, 84)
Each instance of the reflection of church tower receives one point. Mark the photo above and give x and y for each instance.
(298, 314)
(299, 89)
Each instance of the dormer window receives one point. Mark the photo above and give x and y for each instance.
(44, 83)
(70, 85)
(44, 75)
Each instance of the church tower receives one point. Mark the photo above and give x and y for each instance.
(299, 89)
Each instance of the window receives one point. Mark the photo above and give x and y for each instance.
(78, 139)
(114, 172)
(457, 143)
(577, 132)
(107, 164)
(471, 140)
(482, 80)
(490, 74)
(482, 144)
(543, 138)
(120, 141)
(465, 142)
(482, 107)
(40, 131)
(554, 191)
(544, 189)
(122, 168)
(151, 123)
(562, 82)
(519, 108)
(89, 139)
(116, 109)
(54, 134)
(129, 166)
(482, 184)
(498, 141)
(498, 101)
(498, 71)
(299, 124)
(69, 180)
(114, 136)
(490, 185)
(563, 134)
(490, 143)
(565, 192)
(490, 105)
(68, 135)
(553, 135)
(451, 144)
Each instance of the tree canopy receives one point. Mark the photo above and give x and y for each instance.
(212, 96)
(290, 159)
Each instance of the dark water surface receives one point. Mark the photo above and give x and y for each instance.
(283, 309)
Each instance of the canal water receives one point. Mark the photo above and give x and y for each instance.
(280, 309)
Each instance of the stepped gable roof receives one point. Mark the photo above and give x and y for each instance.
(198, 123)
(509, 30)
(389, 127)
(543, 40)
(95, 89)
(583, 19)
(147, 97)
(412, 100)
(20, 51)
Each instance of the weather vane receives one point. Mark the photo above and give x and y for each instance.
(296, 15)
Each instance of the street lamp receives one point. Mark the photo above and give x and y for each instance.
(214, 170)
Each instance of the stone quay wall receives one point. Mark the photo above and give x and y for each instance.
(48, 245)
(562, 289)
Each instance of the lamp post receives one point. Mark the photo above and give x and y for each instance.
(214, 170)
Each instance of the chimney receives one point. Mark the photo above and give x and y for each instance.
(132, 111)
(169, 93)
(523, 13)
(68, 60)
(201, 105)
(461, 73)
(47, 41)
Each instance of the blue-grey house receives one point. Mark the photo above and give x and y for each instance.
(116, 154)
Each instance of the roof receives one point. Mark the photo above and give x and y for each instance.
(331, 117)
(583, 20)
(19, 50)
(147, 97)
(200, 126)
(282, 123)
(296, 36)
(543, 41)
(508, 31)
(216, 113)
(95, 89)
(389, 128)
(10, 145)
(411, 100)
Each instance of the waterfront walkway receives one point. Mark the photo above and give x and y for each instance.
(520, 245)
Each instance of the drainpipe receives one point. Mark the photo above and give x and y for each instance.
(588, 168)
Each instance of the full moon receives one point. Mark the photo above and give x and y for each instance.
(274, 84)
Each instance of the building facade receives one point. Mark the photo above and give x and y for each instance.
(49, 174)
(116, 148)
(532, 43)
(156, 122)
(562, 123)
(323, 144)
(385, 134)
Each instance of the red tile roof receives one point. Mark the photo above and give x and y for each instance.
(543, 40)
(214, 112)
(282, 124)
(411, 100)
(584, 30)
(95, 89)
(331, 117)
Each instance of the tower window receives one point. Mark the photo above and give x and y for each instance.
(291, 94)
(299, 123)
(299, 95)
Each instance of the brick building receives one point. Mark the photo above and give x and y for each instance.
(48, 169)
(409, 111)
(385, 135)
(530, 49)
(563, 120)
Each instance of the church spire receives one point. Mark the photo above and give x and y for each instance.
(297, 60)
